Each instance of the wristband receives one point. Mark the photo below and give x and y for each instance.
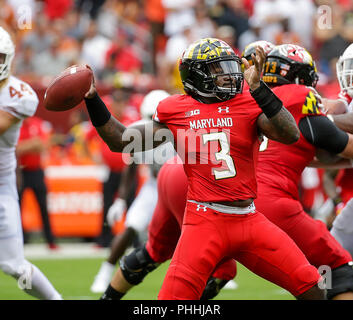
(97, 110)
(267, 100)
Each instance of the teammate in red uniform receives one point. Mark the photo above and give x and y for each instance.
(215, 127)
(289, 69)
(163, 234)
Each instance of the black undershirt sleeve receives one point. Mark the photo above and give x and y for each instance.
(322, 133)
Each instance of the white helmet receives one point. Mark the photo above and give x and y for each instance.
(150, 102)
(344, 67)
(8, 49)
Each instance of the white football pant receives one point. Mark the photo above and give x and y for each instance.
(141, 210)
(12, 261)
(342, 228)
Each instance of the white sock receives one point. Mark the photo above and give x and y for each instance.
(41, 286)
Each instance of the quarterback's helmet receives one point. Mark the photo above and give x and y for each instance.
(250, 49)
(150, 102)
(344, 69)
(209, 68)
(289, 63)
(7, 52)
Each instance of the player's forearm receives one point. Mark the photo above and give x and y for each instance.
(283, 127)
(348, 150)
(343, 121)
(128, 175)
(341, 164)
(110, 129)
(31, 145)
(276, 122)
(112, 134)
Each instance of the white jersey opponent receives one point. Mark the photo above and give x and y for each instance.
(18, 99)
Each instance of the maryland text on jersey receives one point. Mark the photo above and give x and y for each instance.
(211, 123)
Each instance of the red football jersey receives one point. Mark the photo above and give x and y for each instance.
(32, 127)
(218, 143)
(280, 166)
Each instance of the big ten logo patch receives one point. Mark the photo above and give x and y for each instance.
(192, 113)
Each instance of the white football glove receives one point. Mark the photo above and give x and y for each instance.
(116, 211)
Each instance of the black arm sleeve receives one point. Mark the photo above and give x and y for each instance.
(97, 110)
(322, 133)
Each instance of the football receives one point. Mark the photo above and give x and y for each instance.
(68, 89)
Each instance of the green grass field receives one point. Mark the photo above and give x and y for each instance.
(73, 278)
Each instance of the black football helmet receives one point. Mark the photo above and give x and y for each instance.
(289, 63)
(250, 49)
(209, 68)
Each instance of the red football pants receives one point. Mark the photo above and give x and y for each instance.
(208, 237)
(165, 226)
(311, 236)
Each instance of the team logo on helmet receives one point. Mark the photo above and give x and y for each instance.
(296, 53)
(207, 49)
(289, 63)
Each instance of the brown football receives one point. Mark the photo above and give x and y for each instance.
(68, 89)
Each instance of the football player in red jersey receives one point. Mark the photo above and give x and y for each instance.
(215, 127)
(290, 71)
(163, 234)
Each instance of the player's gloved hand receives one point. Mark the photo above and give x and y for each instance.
(116, 211)
(343, 96)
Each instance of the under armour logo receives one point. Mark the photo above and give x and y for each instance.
(220, 109)
(199, 207)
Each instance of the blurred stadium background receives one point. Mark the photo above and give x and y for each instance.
(133, 46)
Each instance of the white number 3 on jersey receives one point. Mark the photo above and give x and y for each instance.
(223, 154)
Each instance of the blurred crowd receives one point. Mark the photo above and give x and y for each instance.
(136, 43)
(133, 46)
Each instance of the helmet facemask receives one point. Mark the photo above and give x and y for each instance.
(7, 52)
(345, 75)
(218, 78)
(5, 64)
